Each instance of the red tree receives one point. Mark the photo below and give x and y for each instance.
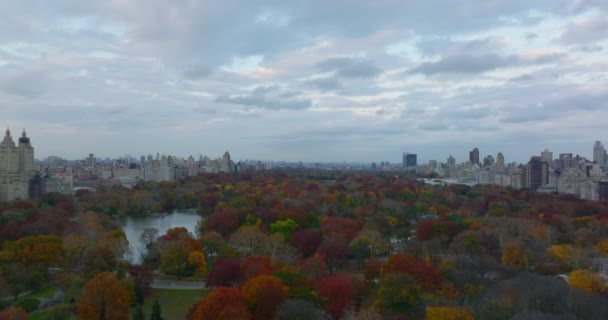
(427, 276)
(306, 241)
(263, 294)
(335, 251)
(226, 272)
(337, 291)
(222, 303)
(253, 266)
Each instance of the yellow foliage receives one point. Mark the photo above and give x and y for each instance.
(448, 313)
(512, 255)
(587, 280)
(563, 253)
(602, 246)
(197, 258)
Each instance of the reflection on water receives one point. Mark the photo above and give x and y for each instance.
(134, 226)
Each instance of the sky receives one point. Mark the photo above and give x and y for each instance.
(341, 80)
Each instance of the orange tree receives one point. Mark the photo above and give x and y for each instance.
(223, 303)
(103, 299)
(263, 294)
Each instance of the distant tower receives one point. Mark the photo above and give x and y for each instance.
(451, 167)
(410, 160)
(226, 165)
(16, 167)
(474, 156)
(500, 162)
(547, 156)
(536, 173)
(488, 161)
(599, 153)
(91, 161)
(565, 161)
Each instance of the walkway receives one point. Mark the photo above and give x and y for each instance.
(179, 285)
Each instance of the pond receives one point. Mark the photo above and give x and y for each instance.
(135, 226)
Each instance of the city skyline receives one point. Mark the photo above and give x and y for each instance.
(309, 81)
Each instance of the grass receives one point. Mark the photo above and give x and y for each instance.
(174, 304)
(45, 293)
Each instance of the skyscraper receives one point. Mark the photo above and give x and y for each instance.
(599, 153)
(536, 173)
(547, 156)
(474, 156)
(500, 162)
(565, 161)
(16, 167)
(410, 160)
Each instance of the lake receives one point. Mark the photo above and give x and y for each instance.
(134, 226)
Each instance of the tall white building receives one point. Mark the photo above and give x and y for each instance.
(500, 162)
(547, 156)
(16, 167)
(599, 153)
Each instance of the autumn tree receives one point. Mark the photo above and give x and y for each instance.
(212, 244)
(13, 313)
(337, 292)
(248, 240)
(306, 241)
(399, 294)
(426, 275)
(174, 260)
(335, 251)
(254, 266)
(263, 294)
(284, 227)
(103, 299)
(141, 275)
(222, 303)
(587, 280)
(300, 288)
(197, 262)
(448, 313)
(225, 272)
(512, 254)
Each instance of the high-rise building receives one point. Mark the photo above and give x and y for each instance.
(16, 167)
(450, 170)
(410, 160)
(500, 162)
(536, 173)
(603, 190)
(547, 156)
(91, 161)
(488, 161)
(599, 153)
(474, 156)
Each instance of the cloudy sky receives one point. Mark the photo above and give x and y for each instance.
(306, 80)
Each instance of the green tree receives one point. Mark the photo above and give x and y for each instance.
(139, 314)
(174, 260)
(399, 293)
(156, 311)
(285, 227)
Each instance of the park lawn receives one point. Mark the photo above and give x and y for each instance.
(45, 293)
(174, 304)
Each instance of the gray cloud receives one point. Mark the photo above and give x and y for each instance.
(466, 63)
(270, 97)
(585, 31)
(326, 84)
(196, 71)
(350, 67)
